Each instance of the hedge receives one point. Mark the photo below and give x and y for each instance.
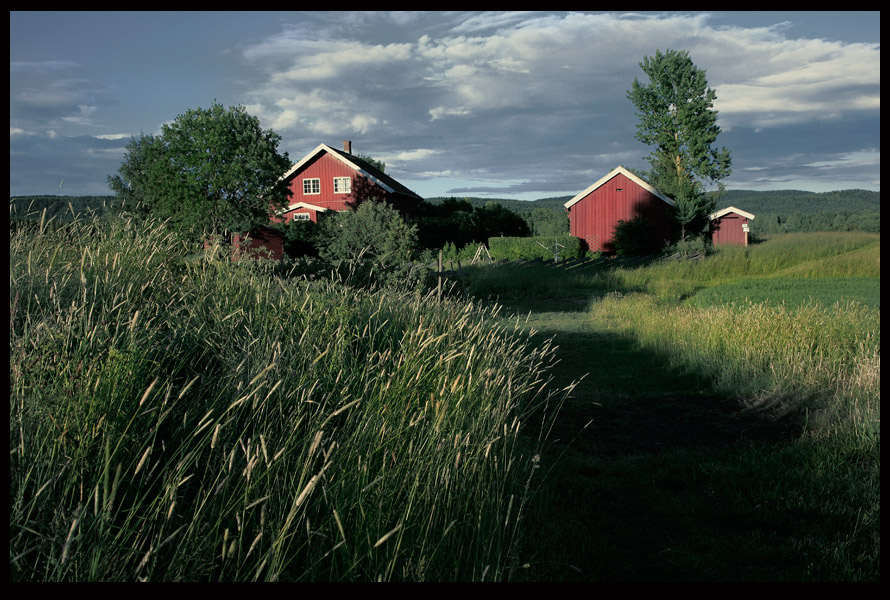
(515, 248)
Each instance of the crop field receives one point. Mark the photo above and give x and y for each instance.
(176, 416)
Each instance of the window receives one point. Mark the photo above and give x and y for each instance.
(301, 216)
(342, 185)
(312, 186)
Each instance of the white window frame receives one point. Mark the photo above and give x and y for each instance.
(342, 185)
(300, 216)
(310, 184)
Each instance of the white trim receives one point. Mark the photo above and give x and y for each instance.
(299, 205)
(727, 210)
(612, 174)
(325, 148)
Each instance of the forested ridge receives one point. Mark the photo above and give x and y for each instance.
(776, 211)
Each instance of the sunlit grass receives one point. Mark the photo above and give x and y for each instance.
(825, 360)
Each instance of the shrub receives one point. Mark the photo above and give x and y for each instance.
(636, 238)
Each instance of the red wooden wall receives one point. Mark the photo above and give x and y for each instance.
(594, 217)
(727, 229)
(325, 168)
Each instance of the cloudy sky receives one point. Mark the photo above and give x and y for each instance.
(488, 104)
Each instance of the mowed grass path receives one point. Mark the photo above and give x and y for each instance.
(651, 475)
(642, 463)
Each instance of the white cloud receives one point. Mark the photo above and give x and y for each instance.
(363, 123)
(416, 154)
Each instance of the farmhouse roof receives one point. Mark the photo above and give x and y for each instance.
(612, 174)
(356, 163)
(727, 210)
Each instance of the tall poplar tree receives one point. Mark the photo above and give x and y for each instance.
(677, 117)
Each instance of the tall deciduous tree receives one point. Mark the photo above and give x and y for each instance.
(677, 117)
(211, 170)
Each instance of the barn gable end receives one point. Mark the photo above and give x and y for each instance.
(618, 196)
(729, 226)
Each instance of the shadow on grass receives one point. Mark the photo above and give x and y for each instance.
(650, 476)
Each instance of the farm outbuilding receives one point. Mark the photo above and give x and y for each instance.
(729, 226)
(619, 196)
(327, 179)
(259, 242)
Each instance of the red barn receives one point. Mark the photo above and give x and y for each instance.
(729, 226)
(328, 179)
(619, 196)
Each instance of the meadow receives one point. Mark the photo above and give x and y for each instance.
(727, 426)
(175, 416)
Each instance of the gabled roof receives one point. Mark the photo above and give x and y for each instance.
(612, 174)
(727, 210)
(368, 170)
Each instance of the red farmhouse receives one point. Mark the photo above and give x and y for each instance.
(328, 179)
(730, 226)
(619, 196)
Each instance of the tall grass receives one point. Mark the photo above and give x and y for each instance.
(175, 417)
(823, 360)
(773, 325)
(827, 254)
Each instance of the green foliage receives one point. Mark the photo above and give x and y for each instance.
(462, 223)
(786, 202)
(676, 117)
(209, 170)
(636, 238)
(699, 244)
(373, 231)
(541, 247)
(543, 221)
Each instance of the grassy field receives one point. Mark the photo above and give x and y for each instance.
(175, 416)
(727, 426)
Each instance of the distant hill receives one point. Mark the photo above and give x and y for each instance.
(776, 211)
(772, 202)
(781, 210)
(796, 201)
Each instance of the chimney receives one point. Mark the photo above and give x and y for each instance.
(347, 146)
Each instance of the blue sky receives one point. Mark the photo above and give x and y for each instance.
(487, 104)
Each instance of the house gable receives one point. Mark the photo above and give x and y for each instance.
(329, 179)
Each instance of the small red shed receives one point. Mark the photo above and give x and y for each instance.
(729, 226)
(329, 179)
(619, 196)
(261, 242)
